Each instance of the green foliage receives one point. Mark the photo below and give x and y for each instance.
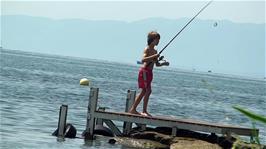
(254, 117)
(251, 115)
(255, 133)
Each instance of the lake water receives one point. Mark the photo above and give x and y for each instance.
(33, 86)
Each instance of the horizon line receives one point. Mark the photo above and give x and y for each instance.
(180, 68)
(132, 21)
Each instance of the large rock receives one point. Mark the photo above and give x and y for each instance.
(175, 142)
(243, 145)
(154, 136)
(190, 143)
(140, 143)
(163, 135)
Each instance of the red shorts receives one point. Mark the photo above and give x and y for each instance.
(145, 77)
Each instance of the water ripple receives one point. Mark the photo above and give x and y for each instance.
(34, 86)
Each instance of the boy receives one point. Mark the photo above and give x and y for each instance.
(150, 57)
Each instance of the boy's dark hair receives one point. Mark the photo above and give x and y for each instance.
(152, 36)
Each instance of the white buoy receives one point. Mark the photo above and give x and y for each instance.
(84, 82)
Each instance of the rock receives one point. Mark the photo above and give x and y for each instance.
(140, 143)
(112, 141)
(102, 130)
(243, 145)
(154, 136)
(189, 139)
(189, 143)
(225, 142)
(69, 132)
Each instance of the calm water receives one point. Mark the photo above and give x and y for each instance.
(33, 86)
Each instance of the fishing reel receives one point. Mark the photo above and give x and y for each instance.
(162, 61)
(161, 58)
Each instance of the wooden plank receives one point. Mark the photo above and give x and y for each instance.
(174, 130)
(62, 120)
(98, 120)
(179, 123)
(90, 115)
(130, 99)
(112, 126)
(127, 126)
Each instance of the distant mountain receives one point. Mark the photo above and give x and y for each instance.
(220, 46)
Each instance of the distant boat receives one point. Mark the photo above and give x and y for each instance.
(215, 24)
(209, 71)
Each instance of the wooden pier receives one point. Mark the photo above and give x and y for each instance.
(108, 117)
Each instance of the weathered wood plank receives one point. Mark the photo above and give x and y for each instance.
(62, 120)
(171, 122)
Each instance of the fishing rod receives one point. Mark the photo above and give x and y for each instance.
(182, 29)
(185, 26)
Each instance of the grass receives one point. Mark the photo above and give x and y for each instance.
(254, 118)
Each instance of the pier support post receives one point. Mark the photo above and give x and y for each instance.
(99, 121)
(90, 114)
(62, 121)
(129, 102)
(174, 130)
(228, 135)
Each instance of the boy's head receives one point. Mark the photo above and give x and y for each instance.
(152, 36)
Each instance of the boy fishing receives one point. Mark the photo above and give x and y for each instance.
(150, 57)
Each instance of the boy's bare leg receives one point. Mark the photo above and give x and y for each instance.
(137, 101)
(145, 102)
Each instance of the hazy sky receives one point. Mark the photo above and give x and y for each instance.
(236, 11)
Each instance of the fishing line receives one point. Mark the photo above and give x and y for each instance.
(181, 30)
(185, 26)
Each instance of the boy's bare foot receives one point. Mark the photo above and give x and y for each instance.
(134, 112)
(146, 114)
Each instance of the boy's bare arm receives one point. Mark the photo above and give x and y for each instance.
(147, 58)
